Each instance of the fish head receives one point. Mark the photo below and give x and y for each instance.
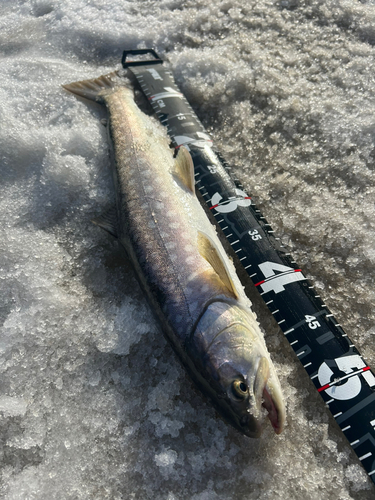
(238, 372)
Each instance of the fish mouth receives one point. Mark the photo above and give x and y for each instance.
(274, 414)
(252, 426)
(268, 395)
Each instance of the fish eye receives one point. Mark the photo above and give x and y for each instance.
(240, 389)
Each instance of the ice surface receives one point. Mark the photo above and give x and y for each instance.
(93, 403)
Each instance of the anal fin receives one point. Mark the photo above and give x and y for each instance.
(108, 221)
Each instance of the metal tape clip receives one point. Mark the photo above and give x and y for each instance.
(147, 62)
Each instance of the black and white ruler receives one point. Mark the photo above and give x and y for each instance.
(340, 374)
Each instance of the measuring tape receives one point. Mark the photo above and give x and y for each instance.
(340, 374)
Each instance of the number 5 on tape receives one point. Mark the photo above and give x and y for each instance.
(352, 385)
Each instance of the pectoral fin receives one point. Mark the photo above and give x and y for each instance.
(184, 169)
(209, 251)
(108, 221)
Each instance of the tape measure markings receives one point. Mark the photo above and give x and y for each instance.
(340, 375)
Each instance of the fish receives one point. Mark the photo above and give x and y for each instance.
(189, 280)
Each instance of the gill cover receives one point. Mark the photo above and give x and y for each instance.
(237, 371)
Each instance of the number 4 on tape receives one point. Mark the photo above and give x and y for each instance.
(276, 282)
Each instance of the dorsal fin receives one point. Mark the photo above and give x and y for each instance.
(209, 252)
(108, 221)
(184, 168)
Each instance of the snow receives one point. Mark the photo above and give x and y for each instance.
(93, 403)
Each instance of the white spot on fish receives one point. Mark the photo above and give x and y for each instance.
(192, 276)
(175, 225)
(189, 248)
(169, 245)
(190, 259)
(205, 288)
(148, 189)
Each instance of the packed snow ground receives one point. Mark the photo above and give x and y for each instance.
(93, 403)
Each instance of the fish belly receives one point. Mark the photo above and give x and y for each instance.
(159, 220)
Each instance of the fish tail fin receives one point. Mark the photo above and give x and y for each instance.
(95, 89)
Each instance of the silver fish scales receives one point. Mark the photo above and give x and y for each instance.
(182, 266)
